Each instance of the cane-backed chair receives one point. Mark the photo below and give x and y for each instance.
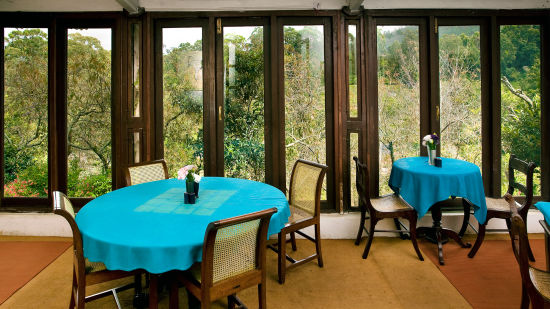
(499, 208)
(535, 285)
(146, 172)
(389, 206)
(86, 273)
(304, 195)
(233, 259)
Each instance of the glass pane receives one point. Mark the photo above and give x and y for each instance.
(25, 112)
(352, 70)
(137, 147)
(89, 108)
(398, 97)
(520, 97)
(304, 65)
(182, 97)
(353, 151)
(243, 58)
(135, 41)
(460, 93)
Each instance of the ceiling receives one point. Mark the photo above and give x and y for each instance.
(247, 5)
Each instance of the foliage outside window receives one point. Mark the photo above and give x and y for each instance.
(89, 112)
(520, 98)
(25, 112)
(460, 93)
(244, 148)
(352, 71)
(183, 97)
(304, 74)
(398, 97)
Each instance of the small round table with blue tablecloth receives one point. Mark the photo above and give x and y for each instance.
(148, 226)
(423, 186)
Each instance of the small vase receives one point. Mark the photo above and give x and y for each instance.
(431, 156)
(190, 186)
(196, 189)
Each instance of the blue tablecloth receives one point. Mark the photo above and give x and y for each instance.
(423, 185)
(544, 207)
(148, 226)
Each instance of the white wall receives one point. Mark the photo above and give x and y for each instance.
(333, 226)
(247, 5)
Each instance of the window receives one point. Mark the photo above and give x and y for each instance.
(398, 97)
(304, 75)
(89, 135)
(243, 72)
(460, 93)
(520, 98)
(25, 112)
(182, 67)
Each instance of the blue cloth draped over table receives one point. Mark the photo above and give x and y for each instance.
(422, 185)
(544, 207)
(148, 225)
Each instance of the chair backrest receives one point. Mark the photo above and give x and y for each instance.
(527, 168)
(235, 246)
(146, 172)
(62, 206)
(520, 243)
(306, 183)
(362, 183)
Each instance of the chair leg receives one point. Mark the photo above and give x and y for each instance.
(529, 251)
(293, 241)
(231, 304)
(370, 236)
(318, 244)
(466, 218)
(72, 302)
(479, 240)
(524, 298)
(262, 296)
(282, 257)
(361, 227)
(412, 229)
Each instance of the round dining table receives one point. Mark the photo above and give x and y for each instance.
(148, 226)
(423, 186)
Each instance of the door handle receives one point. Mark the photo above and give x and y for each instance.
(220, 113)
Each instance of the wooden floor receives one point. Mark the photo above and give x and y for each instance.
(392, 277)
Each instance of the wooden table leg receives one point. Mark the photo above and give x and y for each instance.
(439, 235)
(174, 289)
(153, 291)
(140, 299)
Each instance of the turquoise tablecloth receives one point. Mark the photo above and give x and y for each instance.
(544, 207)
(423, 185)
(148, 226)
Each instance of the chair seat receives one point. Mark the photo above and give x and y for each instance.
(297, 214)
(92, 267)
(541, 280)
(499, 204)
(390, 203)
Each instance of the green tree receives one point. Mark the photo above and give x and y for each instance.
(25, 106)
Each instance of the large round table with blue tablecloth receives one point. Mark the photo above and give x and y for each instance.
(423, 185)
(148, 226)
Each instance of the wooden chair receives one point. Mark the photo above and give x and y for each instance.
(306, 181)
(389, 206)
(146, 172)
(535, 282)
(233, 259)
(499, 208)
(86, 273)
